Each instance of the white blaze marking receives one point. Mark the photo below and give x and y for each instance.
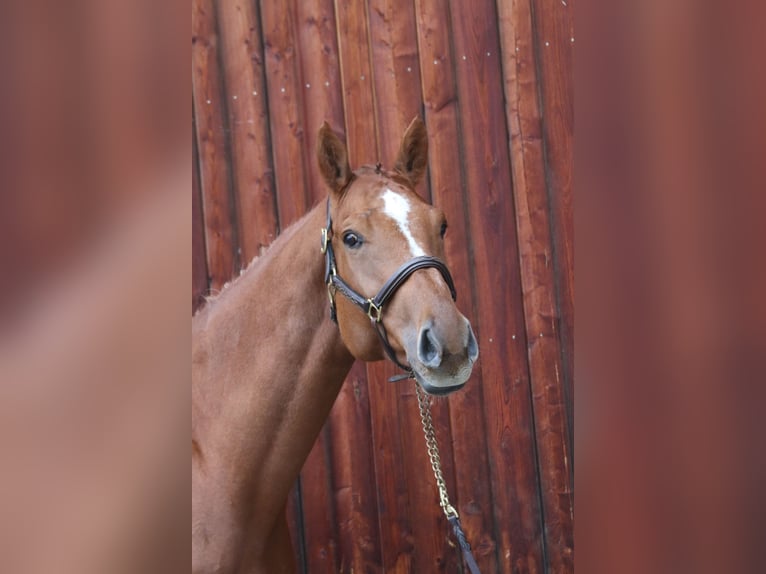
(398, 208)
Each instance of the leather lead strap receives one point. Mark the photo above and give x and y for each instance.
(465, 547)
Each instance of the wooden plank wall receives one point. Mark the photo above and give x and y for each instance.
(493, 82)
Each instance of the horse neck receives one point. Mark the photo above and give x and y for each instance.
(268, 365)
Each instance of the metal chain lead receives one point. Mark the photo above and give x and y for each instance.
(424, 405)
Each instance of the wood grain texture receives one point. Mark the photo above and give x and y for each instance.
(497, 101)
(538, 281)
(320, 530)
(418, 534)
(253, 177)
(554, 25)
(286, 92)
(504, 366)
(472, 493)
(356, 71)
(199, 263)
(355, 481)
(214, 154)
(295, 523)
(320, 66)
(396, 73)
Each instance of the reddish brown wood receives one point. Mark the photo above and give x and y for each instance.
(407, 529)
(295, 524)
(554, 30)
(320, 67)
(286, 92)
(356, 72)
(359, 501)
(318, 58)
(538, 281)
(497, 288)
(320, 530)
(242, 56)
(472, 494)
(396, 73)
(210, 117)
(355, 481)
(199, 263)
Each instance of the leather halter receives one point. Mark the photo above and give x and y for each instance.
(373, 306)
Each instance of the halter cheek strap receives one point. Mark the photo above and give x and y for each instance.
(373, 306)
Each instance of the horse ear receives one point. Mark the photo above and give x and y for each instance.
(412, 159)
(333, 160)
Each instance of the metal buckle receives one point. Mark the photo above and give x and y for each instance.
(325, 240)
(331, 293)
(374, 312)
(449, 510)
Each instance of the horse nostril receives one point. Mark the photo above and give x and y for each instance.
(473, 346)
(429, 350)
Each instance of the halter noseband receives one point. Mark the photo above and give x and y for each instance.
(373, 306)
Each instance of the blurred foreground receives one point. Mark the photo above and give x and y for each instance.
(94, 260)
(671, 284)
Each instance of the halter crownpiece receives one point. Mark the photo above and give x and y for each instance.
(373, 306)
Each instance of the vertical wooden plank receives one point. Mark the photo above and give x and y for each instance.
(296, 525)
(199, 263)
(320, 67)
(472, 493)
(392, 467)
(538, 280)
(319, 524)
(285, 90)
(210, 115)
(505, 379)
(396, 75)
(554, 31)
(355, 481)
(242, 52)
(356, 70)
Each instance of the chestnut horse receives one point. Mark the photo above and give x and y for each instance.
(268, 359)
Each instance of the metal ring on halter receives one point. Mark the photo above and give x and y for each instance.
(374, 311)
(325, 240)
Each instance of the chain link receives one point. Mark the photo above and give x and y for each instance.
(424, 405)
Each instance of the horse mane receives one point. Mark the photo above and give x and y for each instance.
(255, 264)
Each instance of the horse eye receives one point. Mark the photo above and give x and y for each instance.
(352, 240)
(443, 229)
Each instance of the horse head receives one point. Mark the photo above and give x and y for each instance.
(380, 232)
